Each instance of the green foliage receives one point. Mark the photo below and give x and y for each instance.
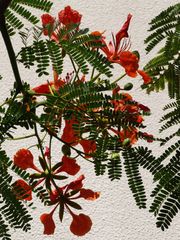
(165, 169)
(15, 115)
(79, 47)
(13, 212)
(18, 9)
(164, 68)
(135, 182)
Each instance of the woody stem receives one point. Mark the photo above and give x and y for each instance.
(10, 50)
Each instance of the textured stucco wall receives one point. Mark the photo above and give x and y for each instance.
(115, 215)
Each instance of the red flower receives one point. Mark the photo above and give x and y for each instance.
(114, 50)
(81, 224)
(69, 166)
(89, 146)
(119, 53)
(70, 136)
(22, 190)
(24, 159)
(64, 197)
(49, 225)
(69, 16)
(47, 19)
(89, 194)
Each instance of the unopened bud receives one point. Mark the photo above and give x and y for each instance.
(137, 54)
(126, 142)
(128, 86)
(66, 150)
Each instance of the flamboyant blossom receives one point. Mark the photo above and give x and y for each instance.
(65, 197)
(69, 16)
(129, 133)
(118, 52)
(47, 22)
(69, 135)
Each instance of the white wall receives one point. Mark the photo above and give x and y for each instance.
(115, 215)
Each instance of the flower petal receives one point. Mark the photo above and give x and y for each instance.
(89, 146)
(130, 134)
(88, 194)
(47, 19)
(77, 184)
(43, 88)
(22, 190)
(69, 166)
(147, 79)
(69, 135)
(48, 222)
(129, 61)
(123, 32)
(81, 224)
(24, 159)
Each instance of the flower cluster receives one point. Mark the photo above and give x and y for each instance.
(119, 102)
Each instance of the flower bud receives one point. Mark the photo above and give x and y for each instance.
(126, 142)
(128, 86)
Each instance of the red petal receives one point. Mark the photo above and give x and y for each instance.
(77, 184)
(49, 225)
(129, 61)
(89, 194)
(144, 108)
(69, 166)
(128, 133)
(24, 159)
(22, 190)
(43, 88)
(149, 137)
(123, 32)
(81, 224)
(147, 79)
(89, 146)
(69, 135)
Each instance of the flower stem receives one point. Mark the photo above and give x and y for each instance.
(96, 77)
(119, 78)
(20, 138)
